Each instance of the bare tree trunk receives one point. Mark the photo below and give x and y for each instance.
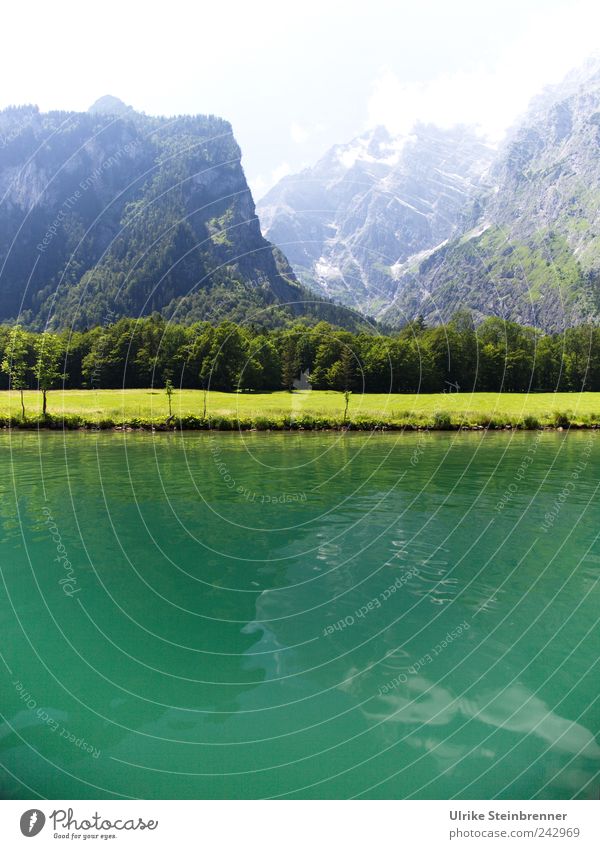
(44, 402)
(22, 405)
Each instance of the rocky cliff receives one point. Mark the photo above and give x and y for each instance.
(111, 212)
(367, 207)
(531, 249)
(438, 221)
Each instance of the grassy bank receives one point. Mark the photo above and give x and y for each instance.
(309, 410)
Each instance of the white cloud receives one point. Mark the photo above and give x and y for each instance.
(258, 186)
(546, 50)
(282, 170)
(261, 183)
(298, 133)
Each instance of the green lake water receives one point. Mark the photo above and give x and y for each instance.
(300, 615)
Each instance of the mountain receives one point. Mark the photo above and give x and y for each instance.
(111, 212)
(437, 221)
(531, 248)
(109, 105)
(369, 206)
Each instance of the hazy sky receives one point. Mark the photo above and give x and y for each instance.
(295, 78)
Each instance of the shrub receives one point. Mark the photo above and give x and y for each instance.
(307, 422)
(70, 421)
(442, 420)
(222, 423)
(13, 421)
(561, 419)
(530, 423)
(368, 423)
(191, 422)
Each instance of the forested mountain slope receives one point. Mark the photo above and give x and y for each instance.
(111, 213)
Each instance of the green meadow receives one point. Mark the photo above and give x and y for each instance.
(301, 409)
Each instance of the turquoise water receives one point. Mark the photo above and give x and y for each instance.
(300, 616)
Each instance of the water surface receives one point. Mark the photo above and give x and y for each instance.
(300, 616)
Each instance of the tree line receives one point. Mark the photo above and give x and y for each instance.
(496, 355)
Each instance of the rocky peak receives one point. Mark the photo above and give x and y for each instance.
(372, 203)
(109, 105)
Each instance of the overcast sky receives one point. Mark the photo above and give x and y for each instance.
(295, 78)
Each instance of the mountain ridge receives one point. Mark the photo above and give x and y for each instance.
(515, 230)
(121, 213)
(535, 236)
(372, 204)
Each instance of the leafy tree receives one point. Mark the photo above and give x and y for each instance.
(227, 357)
(491, 369)
(579, 354)
(548, 364)
(412, 366)
(342, 374)
(15, 363)
(262, 369)
(268, 356)
(49, 357)
(109, 356)
(290, 364)
(497, 355)
(375, 358)
(328, 353)
(198, 358)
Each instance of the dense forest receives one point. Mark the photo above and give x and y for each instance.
(495, 356)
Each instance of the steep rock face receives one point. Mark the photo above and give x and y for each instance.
(368, 207)
(111, 213)
(533, 251)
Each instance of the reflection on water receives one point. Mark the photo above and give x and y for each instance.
(299, 616)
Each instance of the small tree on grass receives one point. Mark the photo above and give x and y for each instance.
(49, 364)
(14, 363)
(204, 399)
(342, 375)
(347, 395)
(169, 389)
(205, 373)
